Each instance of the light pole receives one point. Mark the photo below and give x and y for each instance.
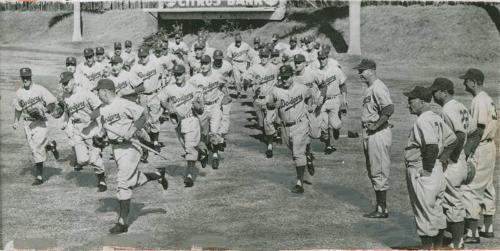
(77, 29)
(354, 27)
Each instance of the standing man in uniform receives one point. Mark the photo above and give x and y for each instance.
(275, 58)
(33, 102)
(310, 52)
(480, 151)
(78, 106)
(237, 53)
(290, 100)
(178, 44)
(209, 84)
(456, 116)
(89, 72)
(225, 69)
(121, 119)
(291, 51)
(253, 53)
(377, 108)
(430, 141)
(101, 59)
(127, 56)
(193, 61)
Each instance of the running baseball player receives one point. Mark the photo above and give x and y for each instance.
(280, 46)
(253, 53)
(67, 127)
(78, 106)
(33, 103)
(480, 151)
(456, 116)
(309, 51)
(193, 60)
(100, 58)
(335, 96)
(89, 72)
(177, 99)
(127, 84)
(326, 48)
(262, 78)
(377, 108)
(117, 50)
(237, 53)
(276, 58)
(225, 69)
(292, 50)
(430, 140)
(178, 44)
(209, 84)
(120, 120)
(290, 101)
(127, 56)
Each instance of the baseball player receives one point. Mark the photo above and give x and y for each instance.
(335, 91)
(193, 60)
(326, 48)
(377, 108)
(67, 127)
(127, 56)
(89, 72)
(179, 44)
(149, 71)
(127, 84)
(430, 141)
(309, 51)
(262, 78)
(120, 120)
(210, 83)
(33, 102)
(101, 59)
(290, 101)
(237, 53)
(292, 50)
(276, 58)
(278, 45)
(79, 105)
(480, 151)
(456, 116)
(253, 53)
(177, 99)
(117, 50)
(225, 69)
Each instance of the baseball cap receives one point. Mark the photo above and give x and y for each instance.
(264, 52)
(206, 59)
(299, 58)
(179, 69)
(128, 43)
(158, 47)
(198, 45)
(237, 38)
(177, 35)
(293, 39)
(25, 72)
(118, 45)
(164, 45)
(441, 84)
(307, 39)
(106, 84)
(275, 53)
(326, 47)
(366, 64)
(419, 92)
(322, 54)
(218, 55)
(71, 60)
(275, 36)
(88, 52)
(286, 71)
(66, 77)
(116, 60)
(474, 74)
(256, 40)
(142, 52)
(99, 50)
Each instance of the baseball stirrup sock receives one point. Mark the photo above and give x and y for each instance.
(336, 134)
(124, 210)
(471, 226)
(190, 167)
(457, 231)
(438, 239)
(488, 223)
(39, 170)
(300, 172)
(426, 241)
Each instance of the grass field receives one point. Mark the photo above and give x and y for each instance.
(246, 204)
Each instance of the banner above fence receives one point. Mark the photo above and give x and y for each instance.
(219, 3)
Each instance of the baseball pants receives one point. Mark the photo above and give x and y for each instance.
(270, 117)
(296, 138)
(377, 149)
(455, 175)
(86, 152)
(479, 195)
(316, 125)
(36, 134)
(426, 198)
(189, 135)
(152, 103)
(210, 121)
(127, 157)
(330, 110)
(239, 69)
(225, 122)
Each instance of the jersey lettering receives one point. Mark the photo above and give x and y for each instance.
(291, 103)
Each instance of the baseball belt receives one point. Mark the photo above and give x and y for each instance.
(292, 123)
(212, 102)
(332, 97)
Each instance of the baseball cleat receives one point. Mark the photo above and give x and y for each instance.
(203, 160)
(330, 150)
(54, 149)
(118, 229)
(486, 234)
(269, 153)
(376, 215)
(188, 182)
(298, 189)
(164, 182)
(472, 240)
(310, 165)
(215, 163)
(37, 182)
(102, 187)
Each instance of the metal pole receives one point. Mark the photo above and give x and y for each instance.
(354, 27)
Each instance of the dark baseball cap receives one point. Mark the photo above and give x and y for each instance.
(264, 52)
(118, 45)
(71, 60)
(218, 55)
(116, 60)
(299, 58)
(88, 52)
(199, 45)
(293, 39)
(128, 43)
(179, 69)
(99, 50)
(256, 40)
(275, 36)
(366, 64)
(441, 84)
(275, 52)
(164, 45)
(322, 54)
(473, 74)
(66, 77)
(106, 84)
(237, 38)
(205, 59)
(143, 52)
(25, 72)
(158, 47)
(419, 92)
(286, 71)
(177, 35)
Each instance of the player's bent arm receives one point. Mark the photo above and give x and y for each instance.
(473, 140)
(447, 151)
(458, 147)
(17, 116)
(137, 125)
(429, 154)
(385, 114)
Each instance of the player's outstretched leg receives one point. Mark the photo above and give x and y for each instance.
(121, 226)
(38, 174)
(188, 179)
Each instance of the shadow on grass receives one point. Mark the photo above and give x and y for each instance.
(180, 171)
(260, 137)
(83, 178)
(110, 204)
(47, 171)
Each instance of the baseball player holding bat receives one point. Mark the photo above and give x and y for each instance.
(121, 119)
(33, 102)
(290, 101)
(480, 151)
(430, 144)
(237, 53)
(456, 116)
(377, 136)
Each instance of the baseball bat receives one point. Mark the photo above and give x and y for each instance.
(135, 141)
